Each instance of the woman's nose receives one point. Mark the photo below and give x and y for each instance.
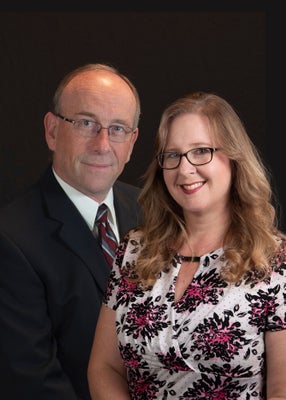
(185, 166)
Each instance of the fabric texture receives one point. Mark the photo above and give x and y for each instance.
(105, 234)
(207, 345)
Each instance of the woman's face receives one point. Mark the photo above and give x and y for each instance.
(200, 190)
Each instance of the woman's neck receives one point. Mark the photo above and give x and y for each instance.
(204, 235)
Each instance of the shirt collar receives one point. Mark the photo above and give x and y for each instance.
(87, 206)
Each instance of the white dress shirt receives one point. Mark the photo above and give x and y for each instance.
(88, 207)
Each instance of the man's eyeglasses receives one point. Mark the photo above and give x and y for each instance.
(89, 128)
(198, 156)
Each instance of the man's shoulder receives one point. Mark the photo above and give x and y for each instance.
(124, 187)
(21, 209)
(26, 196)
(20, 200)
(26, 205)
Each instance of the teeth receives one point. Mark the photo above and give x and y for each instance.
(193, 186)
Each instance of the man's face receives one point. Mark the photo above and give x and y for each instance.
(92, 164)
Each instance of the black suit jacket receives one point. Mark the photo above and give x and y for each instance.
(52, 279)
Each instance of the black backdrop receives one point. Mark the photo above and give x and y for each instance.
(167, 51)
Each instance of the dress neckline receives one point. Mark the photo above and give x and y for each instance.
(188, 258)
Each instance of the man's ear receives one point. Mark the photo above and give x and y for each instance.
(50, 124)
(132, 142)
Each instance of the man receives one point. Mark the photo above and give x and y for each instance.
(53, 272)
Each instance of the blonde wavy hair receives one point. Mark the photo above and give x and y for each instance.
(250, 241)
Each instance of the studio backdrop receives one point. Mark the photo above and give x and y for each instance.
(166, 55)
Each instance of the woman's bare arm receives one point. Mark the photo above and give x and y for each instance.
(106, 371)
(275, 343)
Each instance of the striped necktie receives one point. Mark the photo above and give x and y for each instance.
(106, 237)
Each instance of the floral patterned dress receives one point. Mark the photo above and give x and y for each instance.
(209, 345)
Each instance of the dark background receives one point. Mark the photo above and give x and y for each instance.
(166, 49)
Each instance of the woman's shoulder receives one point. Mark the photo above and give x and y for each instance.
(280, 252)
(131, 242)
(134, 234)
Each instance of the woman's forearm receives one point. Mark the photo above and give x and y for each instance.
(108, 385)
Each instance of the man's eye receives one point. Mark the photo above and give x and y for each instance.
(86, 123)
(117, 129)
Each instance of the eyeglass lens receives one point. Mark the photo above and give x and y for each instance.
(200, 156)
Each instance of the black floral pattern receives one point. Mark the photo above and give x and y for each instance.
(209, 345)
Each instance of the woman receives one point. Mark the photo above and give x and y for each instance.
(195, 306)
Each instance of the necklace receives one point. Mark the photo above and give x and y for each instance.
(189, 258)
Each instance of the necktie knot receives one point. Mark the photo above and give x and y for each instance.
(106, 237)
(101, 216)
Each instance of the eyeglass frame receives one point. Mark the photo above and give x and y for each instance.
(127, 129)
(212, 150)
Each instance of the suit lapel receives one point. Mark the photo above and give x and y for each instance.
(71, 228)
(126, 208)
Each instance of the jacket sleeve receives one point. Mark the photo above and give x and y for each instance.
(29, 367)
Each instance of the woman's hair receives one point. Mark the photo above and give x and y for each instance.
(249, 242)
(95, 67)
